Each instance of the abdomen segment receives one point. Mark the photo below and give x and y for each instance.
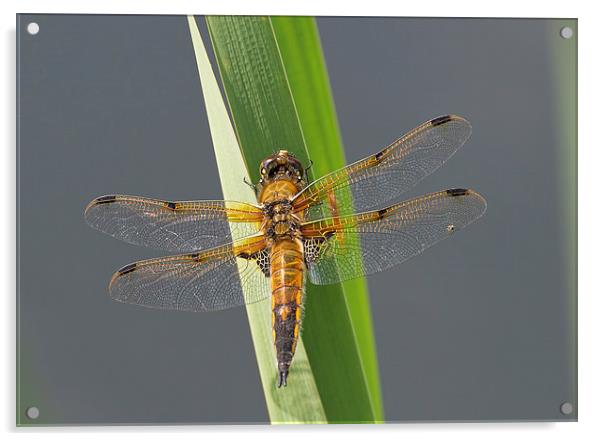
(287, 274)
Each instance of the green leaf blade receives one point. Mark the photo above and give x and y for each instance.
(265, 76)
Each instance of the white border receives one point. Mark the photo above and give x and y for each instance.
(590, 162)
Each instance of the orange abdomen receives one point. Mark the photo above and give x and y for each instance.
(287, 276)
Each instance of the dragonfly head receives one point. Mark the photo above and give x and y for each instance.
(282, 165)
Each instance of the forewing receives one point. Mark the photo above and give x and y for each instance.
(216, 279)
(173, 226)
(347, 247)
(379, 178)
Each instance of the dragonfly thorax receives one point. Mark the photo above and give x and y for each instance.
(280, 220)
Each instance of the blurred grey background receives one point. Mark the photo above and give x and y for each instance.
(479, 327)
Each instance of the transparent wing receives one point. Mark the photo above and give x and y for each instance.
(216, 279)
(379, 178)
(347, 247)
(172, 226)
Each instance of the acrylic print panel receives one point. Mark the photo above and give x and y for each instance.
(481, 327)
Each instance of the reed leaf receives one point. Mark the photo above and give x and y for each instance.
(276, 85)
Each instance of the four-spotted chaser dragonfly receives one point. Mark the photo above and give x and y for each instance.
(323, 229)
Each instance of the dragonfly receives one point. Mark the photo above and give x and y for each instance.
(335, 228)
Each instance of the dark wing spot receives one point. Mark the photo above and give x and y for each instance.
(440, 120)
(457, 191)
(127, 269)
(105, 199)
(379, 155)
(381, 213)
(329, 234)
(171, 205)
(243, 255)
(194, 255)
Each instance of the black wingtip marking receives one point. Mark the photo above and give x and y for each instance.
(127, 269)
(171, 205)
(329, 234)
(457, 192)
(440, 120)
(105, 199)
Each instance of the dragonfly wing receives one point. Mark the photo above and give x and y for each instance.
(347, 247)
(219, 278)
(379, 178)
(173, 226)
